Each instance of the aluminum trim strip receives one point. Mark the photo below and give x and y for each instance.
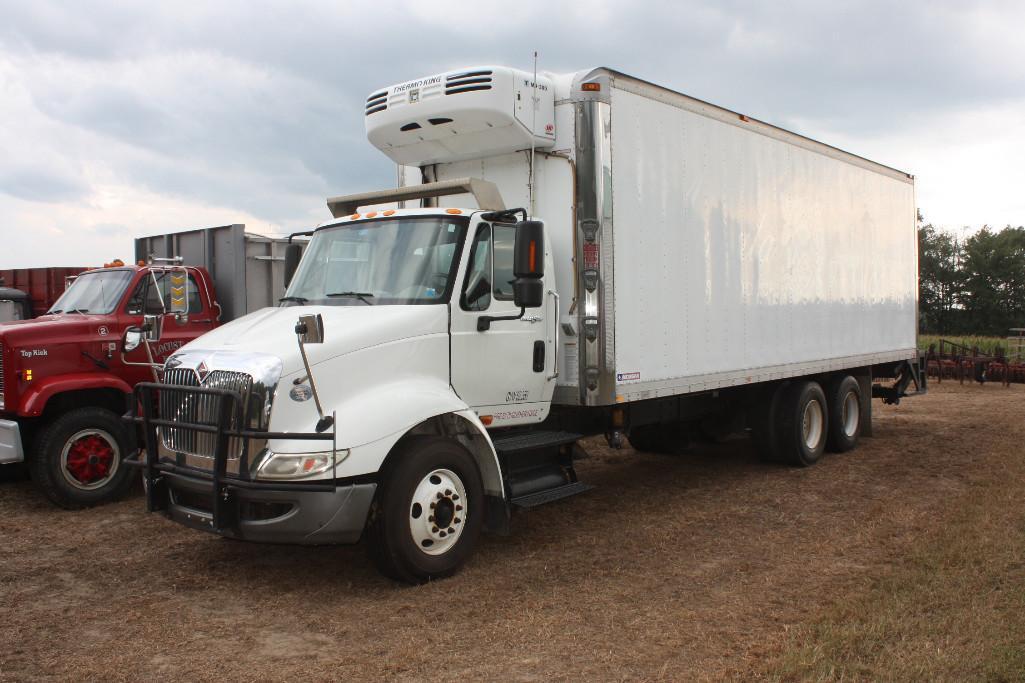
(685, 385)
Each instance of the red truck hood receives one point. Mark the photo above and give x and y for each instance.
(52, 329)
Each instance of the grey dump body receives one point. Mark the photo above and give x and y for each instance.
(248, 270)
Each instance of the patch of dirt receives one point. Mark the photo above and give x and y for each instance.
(674, 568)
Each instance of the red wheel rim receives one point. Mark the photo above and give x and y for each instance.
(90, 458)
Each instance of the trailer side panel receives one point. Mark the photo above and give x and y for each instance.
(741, 255)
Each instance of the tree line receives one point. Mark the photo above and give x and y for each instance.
(971, 285)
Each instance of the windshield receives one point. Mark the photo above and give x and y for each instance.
(395, 261)
(97, 291)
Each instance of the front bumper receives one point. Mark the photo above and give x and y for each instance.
(11, 449)
(236, 505)
(264, 513)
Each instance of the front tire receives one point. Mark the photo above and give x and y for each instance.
(78, 459)
(429, 511)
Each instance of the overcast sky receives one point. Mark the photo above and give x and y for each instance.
(124, 119)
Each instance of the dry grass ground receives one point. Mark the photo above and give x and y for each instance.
(901, 560)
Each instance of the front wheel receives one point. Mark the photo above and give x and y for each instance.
(429, 511)
(78, 459)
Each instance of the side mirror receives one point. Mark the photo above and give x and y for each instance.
(310, 329)
(132, 339)
(529, 264)
(293, 253)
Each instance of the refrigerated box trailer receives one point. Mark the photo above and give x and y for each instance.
(566, 255)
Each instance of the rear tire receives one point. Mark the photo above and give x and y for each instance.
(843, 396)
(428, 512)
(78, 459)
(803, 425)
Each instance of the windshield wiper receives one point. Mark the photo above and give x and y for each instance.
(77, 310)
(296, 299)
(362, 296)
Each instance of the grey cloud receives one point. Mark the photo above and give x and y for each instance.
(258, 106)
(40, 185)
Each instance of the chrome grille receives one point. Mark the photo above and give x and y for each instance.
(184, 406)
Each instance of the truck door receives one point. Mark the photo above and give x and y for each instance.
(505, 371)
(151, 296)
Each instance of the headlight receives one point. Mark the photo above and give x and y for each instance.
(296, 465)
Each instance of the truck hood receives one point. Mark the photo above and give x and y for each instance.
(347, 329)
(49, 329)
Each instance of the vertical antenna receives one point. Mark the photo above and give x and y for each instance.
(533, 133)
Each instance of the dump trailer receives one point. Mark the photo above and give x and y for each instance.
(41, 287)
(565, 255)
(65, 375)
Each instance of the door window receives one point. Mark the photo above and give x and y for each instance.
(147, 298)
(477, 292)
(505, 239)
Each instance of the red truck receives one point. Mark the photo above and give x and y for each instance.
(65, 376)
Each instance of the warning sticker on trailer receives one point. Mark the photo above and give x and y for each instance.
(627, 376)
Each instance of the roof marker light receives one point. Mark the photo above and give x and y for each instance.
(389, 212)
(453, 210)
(371, 214)
(354, 216)
(591, 87)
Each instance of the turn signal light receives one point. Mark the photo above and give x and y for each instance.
(486, 420)
(26, 375)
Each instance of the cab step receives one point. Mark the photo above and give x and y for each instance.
(532, 441)
(551, 495)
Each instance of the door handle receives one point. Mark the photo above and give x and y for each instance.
(555, 349)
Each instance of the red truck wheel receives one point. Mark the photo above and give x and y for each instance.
(77, 462)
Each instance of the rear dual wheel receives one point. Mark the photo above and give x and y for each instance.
(797, 422)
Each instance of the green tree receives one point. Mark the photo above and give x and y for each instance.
(994, 280)
(941, 280)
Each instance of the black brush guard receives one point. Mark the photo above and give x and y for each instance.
(223, 485)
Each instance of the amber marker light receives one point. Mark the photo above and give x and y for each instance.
(389, 212)
(591, 87)
(372, 214)
(26, 375)
(486, 420)
(354, 216)
(453, 210)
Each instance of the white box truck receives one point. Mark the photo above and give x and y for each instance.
(565, 255)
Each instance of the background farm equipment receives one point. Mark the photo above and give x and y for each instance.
(952, 360)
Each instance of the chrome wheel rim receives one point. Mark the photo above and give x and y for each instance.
(90, 459)
(437, 512)
(851, 414)
(812, 424)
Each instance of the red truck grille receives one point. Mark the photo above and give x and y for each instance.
(181, 405)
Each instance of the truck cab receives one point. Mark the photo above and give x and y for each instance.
(64, 376)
